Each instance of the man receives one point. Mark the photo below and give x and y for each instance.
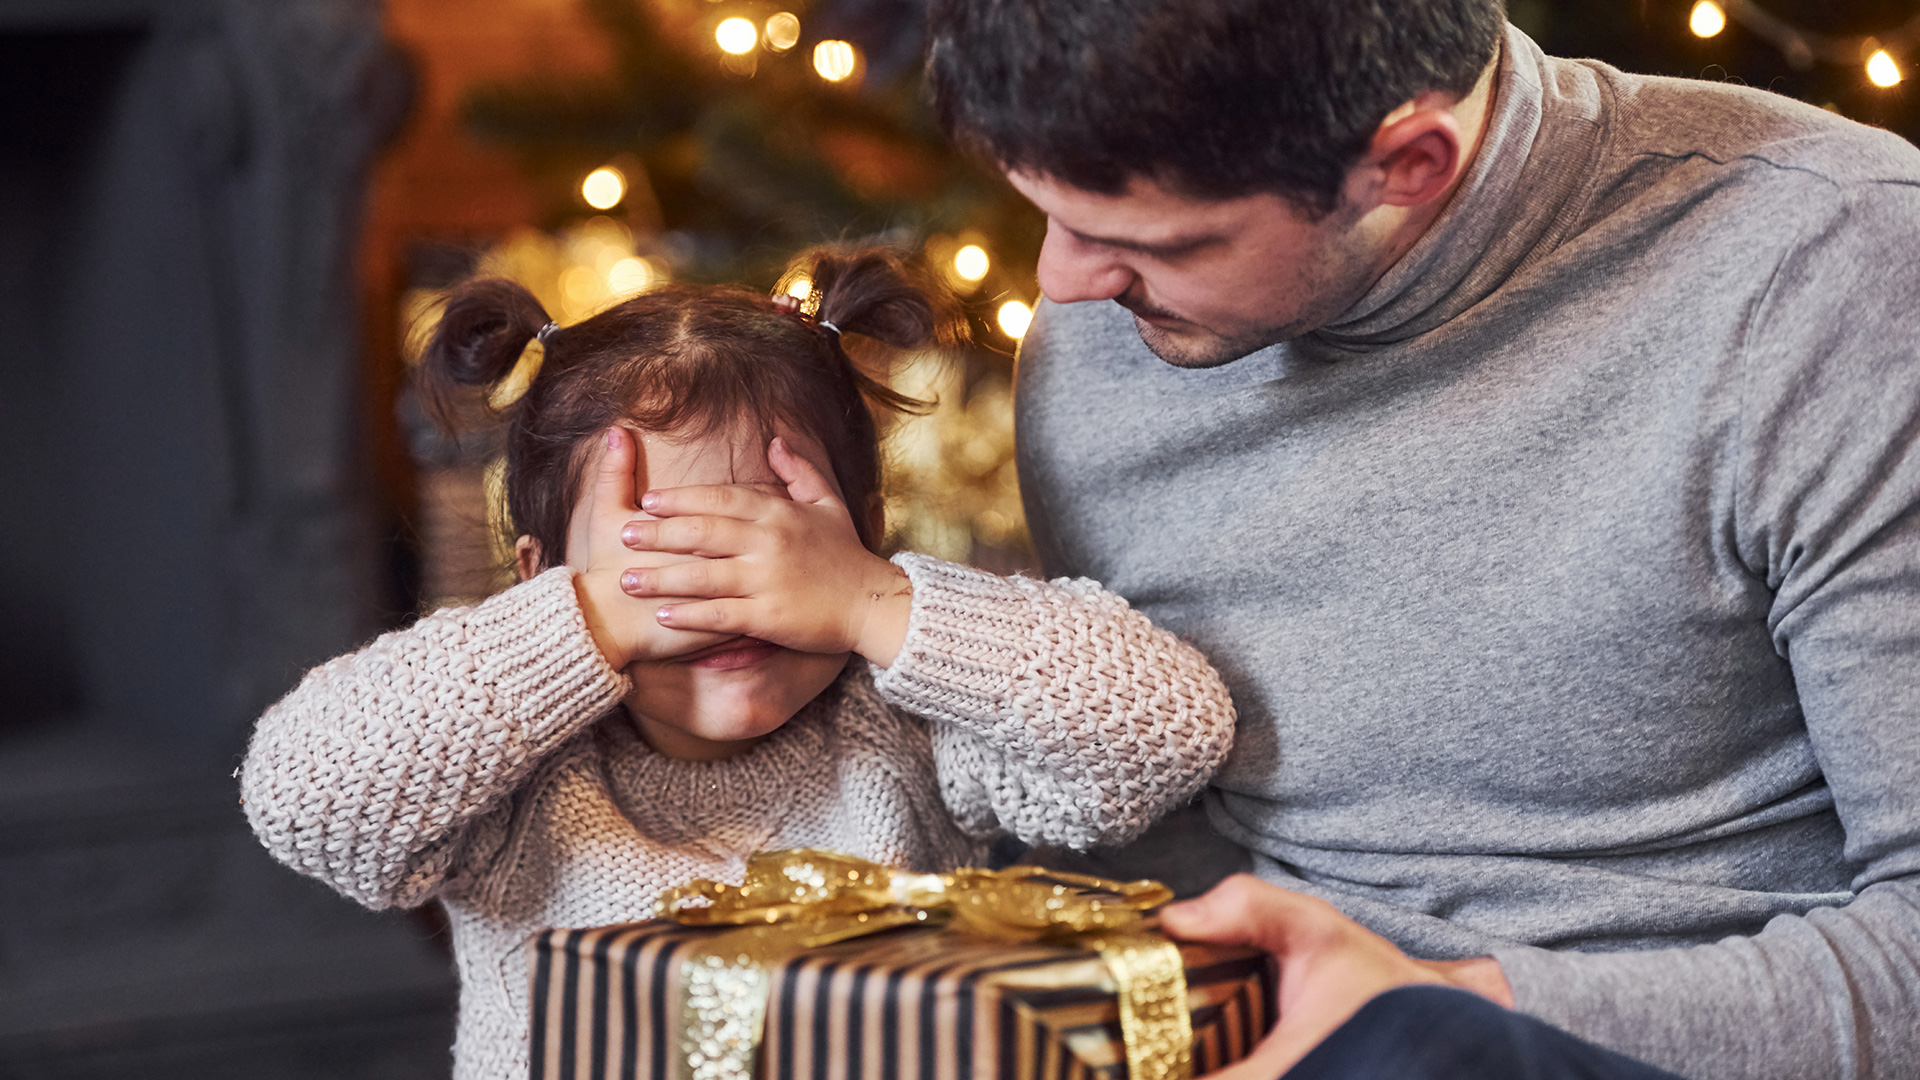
(1536, 450)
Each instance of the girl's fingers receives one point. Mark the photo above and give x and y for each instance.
(700, 578)
(714, 616)
(804, 482)
(711, 500)
(713, 537)
(613, 478)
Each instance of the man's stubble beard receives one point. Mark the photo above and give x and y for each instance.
(1339, 278)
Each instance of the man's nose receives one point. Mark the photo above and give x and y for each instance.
(1072, 270)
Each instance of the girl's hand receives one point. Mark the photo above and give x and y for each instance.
(787, 570)
(624, 629)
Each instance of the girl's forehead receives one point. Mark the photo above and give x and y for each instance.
(730, 455)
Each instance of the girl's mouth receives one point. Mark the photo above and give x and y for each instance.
(729, 655)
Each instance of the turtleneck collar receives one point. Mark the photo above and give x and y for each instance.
(1519, 195)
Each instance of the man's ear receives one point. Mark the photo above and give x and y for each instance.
(1418, 156)
(526, 557)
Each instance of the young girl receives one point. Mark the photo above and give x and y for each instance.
(557, 755)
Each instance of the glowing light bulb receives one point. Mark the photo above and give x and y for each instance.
(1708, 19)
(800, 287)
(604, 188)
(971, 262)
(737, 36)
(835, 60)
(1014, 318)
(1882, 69)
(783, 31)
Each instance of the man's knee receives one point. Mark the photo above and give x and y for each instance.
(1436, 1033)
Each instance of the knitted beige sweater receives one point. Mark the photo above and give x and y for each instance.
(460, 759)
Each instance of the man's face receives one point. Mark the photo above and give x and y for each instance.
(1207, 280)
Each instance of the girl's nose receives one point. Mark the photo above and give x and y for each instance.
(1072, 270)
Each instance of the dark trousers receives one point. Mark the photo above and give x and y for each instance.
(1434, 1033)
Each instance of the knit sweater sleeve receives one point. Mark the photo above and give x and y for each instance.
(1059, 713)
(373, 774)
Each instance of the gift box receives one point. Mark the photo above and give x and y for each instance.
(885, 992)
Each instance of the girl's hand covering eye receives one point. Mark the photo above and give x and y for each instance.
(624, 628)
(787, 570)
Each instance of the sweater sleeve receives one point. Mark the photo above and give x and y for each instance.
(1827, 513)
(1059, 713)
(372, 774)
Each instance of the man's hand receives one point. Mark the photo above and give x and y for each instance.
(1329, 964)
(625, 629)
(787, 570)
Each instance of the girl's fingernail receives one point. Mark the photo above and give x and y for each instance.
(650, 501)
(630, 535)
(630, 582)
(613, 438)
(664, 615)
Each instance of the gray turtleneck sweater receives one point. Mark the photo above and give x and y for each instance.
(1568, 586)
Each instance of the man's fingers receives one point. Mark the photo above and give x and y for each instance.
(712, 500)
(712, 537)
(613, 477)
(1243, 910)
(700, 578)
(804, 482)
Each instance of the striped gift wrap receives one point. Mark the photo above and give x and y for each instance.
(909, 1004)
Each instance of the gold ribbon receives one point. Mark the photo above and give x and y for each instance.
(805, 898)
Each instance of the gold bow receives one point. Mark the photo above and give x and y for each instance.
(804, 898)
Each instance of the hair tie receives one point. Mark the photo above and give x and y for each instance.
(825, 325)
(545, 332)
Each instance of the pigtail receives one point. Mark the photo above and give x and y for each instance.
(876, 294)
(484, 327)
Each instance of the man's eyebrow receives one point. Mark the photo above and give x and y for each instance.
(1179, 245)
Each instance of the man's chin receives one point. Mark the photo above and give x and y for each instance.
(1193, 347)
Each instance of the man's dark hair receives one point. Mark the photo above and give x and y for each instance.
(1211, 98)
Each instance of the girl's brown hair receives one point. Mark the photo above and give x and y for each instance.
(686, 359)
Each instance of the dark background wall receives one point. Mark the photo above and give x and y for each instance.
(184, 527)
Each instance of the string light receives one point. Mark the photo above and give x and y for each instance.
(971, 262)
(783, 31)
(1707, 19)
(1882, 70)
(835, 60)
(604, 188)
(736, 36)
(1014, 318)
(1803, 48)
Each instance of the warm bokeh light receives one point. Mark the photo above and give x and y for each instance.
(1708, 19)
(1882, 69)
(1015, 317)
(971, 262)
(628, 276)
(581, 285)
(835, 60)
(800, 286)
(737, 36)
(604, 188)
(783, 31)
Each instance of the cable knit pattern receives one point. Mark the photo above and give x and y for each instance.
(1060, 706)
(459, 760)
